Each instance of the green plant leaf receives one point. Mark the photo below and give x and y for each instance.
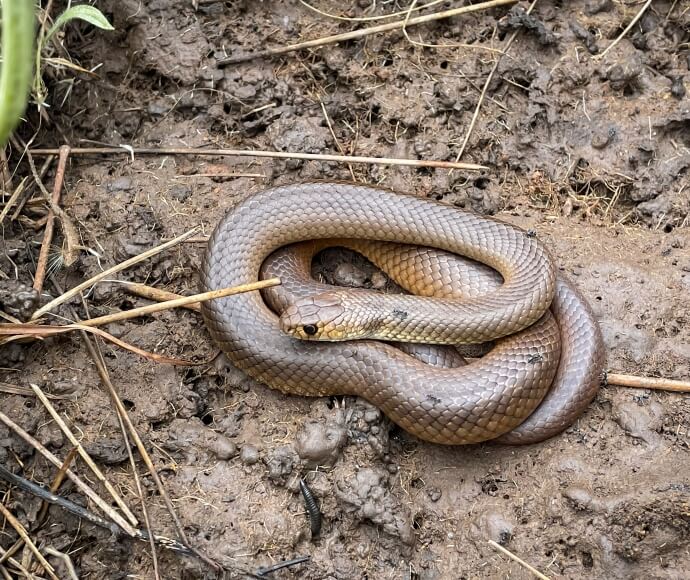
(84, 12)
(15, 74)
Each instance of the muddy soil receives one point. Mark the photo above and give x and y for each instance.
(592, 154)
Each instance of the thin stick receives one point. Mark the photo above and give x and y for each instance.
(489, 78)
(92, 495)
(66, 560)
(368, 18)
(14, 522)
(50, 497)
(265, 570)
(522, 563)
(25, 392)
(126, 264)
(97, 356)
(156, 294)
(183, 301)
(616, 380)
(69, 231)
(259, 153)
(628, 28)
(84, 455)
(22, 187)
(42, 264)
(124, 418)
(16, 564)
(54, 486)
(398, 24)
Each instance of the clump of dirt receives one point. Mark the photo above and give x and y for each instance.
(590, 152)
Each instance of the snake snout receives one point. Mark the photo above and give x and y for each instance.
(314, 318)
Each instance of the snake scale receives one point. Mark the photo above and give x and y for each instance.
(546, 361)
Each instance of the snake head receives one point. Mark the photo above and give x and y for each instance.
(317, 317)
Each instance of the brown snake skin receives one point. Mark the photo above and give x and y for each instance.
(467, 404)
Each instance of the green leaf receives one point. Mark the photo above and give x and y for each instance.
(84, 12)
(17, 65)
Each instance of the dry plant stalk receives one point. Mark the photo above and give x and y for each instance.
(42, 264)
(520, 561)
(69, 230)
(90, 493)
(183, 301)
(84, 455)
(122, 266)
(618, 380)
(144, 291)
(14, 522)
(397, 25)
(127, 150)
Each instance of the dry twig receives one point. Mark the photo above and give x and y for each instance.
(354, 34)
(617, 380)
(522, 563)
(42, 264)
(157, 294)
(628, 28)
(183, 301)
(127, 150)
(122, 266)
(84, 455)
(14, 522)
(69, 231)
(489, 78)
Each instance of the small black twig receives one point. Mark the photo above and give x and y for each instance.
(48, 496)
(264, 570)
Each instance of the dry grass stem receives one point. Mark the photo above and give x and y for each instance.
(97, 357)
(66, 560)
(25, 392)
(70, 252)
(126, 426)
(14, 522)
(259, 153)
(628, 28)
(122, 266)
(514, 558)
(489, 78)
(183, 301)
(369, 18)
(85, 489)
(361, 33)
(616, 380)
(21, 332)
(157, 294)
(54, 486)
(84, 455)
(22, 187)
(42, 263)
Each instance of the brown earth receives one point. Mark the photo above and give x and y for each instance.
(591, 154)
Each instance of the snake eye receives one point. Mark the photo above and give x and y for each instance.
(310, 329)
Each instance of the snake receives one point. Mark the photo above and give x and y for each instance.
(545, 363)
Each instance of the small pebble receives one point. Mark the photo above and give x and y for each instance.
(678, 88)
(119, 184)
(434, 493)
(601, 138)
(249, 455)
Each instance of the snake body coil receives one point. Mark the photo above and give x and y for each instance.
(483, 400)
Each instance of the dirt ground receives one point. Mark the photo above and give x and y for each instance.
(593, 154)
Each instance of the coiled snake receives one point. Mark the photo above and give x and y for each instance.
(542, 372)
